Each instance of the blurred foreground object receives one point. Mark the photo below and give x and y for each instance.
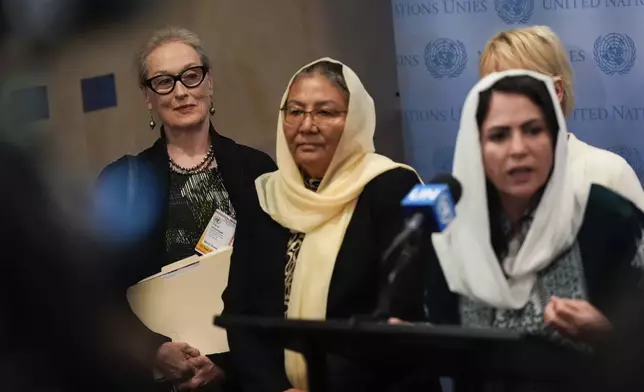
(55, 326)
(49, 22)
(61, 327)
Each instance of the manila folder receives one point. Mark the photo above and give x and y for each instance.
(181, 301)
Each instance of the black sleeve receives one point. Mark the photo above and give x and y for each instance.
(390, 188)
(386, 193)
(623, 272)
(257, 365)
(616, 289)
(609, 239)
(441, 303)
(128, 205)
(109, 200)
(119, 259)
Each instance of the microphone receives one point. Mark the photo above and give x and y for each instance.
(431, 209)
(435, 200)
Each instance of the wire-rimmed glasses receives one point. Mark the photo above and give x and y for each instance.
(295, 116)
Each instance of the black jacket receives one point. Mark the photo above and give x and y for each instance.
(256, 285)
(140, 233)
(132, 195)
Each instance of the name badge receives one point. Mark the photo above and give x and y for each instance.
(219, 233)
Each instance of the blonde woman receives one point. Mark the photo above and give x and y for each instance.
(539, 49)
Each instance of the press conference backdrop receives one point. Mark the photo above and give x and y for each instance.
(438, 44)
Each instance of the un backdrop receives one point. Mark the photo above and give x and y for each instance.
(438, 44)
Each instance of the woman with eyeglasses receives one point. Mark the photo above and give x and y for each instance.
(157, 204)
(315, 252)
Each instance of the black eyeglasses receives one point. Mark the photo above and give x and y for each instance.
(191, 78)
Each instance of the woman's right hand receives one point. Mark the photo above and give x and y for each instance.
(397, 321)
(576, 319)
(172, 360)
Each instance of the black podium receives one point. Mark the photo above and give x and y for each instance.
(467, 354)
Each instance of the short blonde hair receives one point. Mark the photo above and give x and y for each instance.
(162, 37)
(536, 48)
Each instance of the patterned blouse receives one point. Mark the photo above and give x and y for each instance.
(563, 278)
(192, 200)
(293, 248)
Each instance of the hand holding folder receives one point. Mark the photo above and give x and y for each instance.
(181, 301)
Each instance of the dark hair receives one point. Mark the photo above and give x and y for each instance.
(537, 92)
(533, 89)
(331, 71)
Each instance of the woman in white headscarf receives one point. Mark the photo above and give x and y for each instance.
(329, 212)
(531, 249)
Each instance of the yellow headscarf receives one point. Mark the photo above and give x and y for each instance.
(323, 215)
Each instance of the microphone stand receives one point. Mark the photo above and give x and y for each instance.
(409, 250)
(412, 226)
(409, 240)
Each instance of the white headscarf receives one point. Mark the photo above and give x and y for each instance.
(465, 249)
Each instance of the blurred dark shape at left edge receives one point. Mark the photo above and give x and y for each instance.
(47, 23)
(61, 327)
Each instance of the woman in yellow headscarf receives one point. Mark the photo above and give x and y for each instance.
(329, 212)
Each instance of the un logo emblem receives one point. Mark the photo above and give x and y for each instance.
(632, 156)
(445, 57)
(442, 160)
(614, 53)
(514, 11)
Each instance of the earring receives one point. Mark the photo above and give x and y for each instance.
(152, 122)
(212, 108)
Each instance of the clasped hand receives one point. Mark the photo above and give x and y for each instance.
(185, 366)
